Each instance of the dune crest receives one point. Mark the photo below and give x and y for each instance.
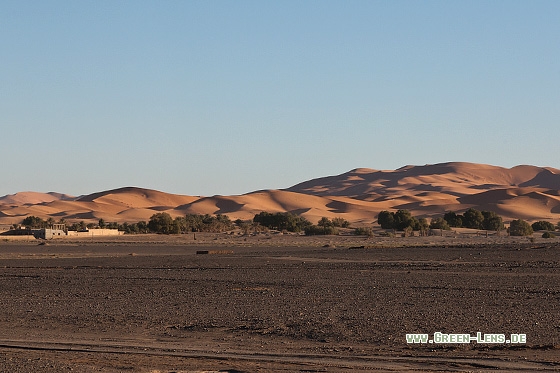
(528, 192)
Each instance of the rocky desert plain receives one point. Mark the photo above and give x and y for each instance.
(283, 302)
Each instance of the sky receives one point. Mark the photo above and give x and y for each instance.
(228, 97)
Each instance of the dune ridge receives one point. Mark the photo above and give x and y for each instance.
(527, 192)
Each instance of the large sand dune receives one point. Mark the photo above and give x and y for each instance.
(527, 192)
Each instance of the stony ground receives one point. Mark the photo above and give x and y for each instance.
(276, 304)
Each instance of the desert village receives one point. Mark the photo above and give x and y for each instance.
(55, 231)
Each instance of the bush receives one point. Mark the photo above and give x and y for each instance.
(363, 231)
(548, 235)
(314, 230)
(520, 228)
(542, 226)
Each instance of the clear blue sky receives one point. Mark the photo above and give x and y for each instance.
(227, 97)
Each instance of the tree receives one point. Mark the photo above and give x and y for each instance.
(492, 222)
(341, 223)
(142, 227)
(179, 225)
(102, 223)
(423, 224)
(520, 228)
(473, 219)
(542, 226)
(161, 222)
(439, 223)
(403, 219)
(33, 222)
(386, 219)
(325, 222)
(282, 221)
(453, 220)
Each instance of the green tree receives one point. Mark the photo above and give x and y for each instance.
(312, 230)
(340, 222)
(386, 219)
(542, 226)
(473, 219)
(404, 219)
(102, 223)
(161, 222)
(325, 222)
(520, 228)
(492, 222)
(439, 223)
(423, 224)
(34, 222)
(282, 221)
(142, 227)
(453, 220)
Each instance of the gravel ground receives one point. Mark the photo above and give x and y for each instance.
(161, 307)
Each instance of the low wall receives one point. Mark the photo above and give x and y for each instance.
(96, 233)
(27, 237)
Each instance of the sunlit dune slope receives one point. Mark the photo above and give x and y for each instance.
(527, 192)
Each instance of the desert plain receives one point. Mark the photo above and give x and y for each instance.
(277, 303)
(274, 302)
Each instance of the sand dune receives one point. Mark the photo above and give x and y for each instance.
(32, 198)
(527, 192)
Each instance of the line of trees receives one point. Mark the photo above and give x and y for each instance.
(472, 218)
(401, 220)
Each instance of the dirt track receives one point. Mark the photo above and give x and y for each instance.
(160, 307)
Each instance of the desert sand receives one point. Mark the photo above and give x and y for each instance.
(277, 303)
(522, 192)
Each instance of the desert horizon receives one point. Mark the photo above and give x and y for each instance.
(522, 192)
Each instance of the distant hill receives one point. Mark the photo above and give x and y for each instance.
(527, 192)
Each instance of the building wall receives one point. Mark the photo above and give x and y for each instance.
(96, 233)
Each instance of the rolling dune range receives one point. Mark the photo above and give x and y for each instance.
(528, 192)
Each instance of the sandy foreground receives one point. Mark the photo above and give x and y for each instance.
(276, 303)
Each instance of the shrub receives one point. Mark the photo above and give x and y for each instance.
(520, 228)
(363, 231)
(548, 235)
(542, 226)
(314, 230)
